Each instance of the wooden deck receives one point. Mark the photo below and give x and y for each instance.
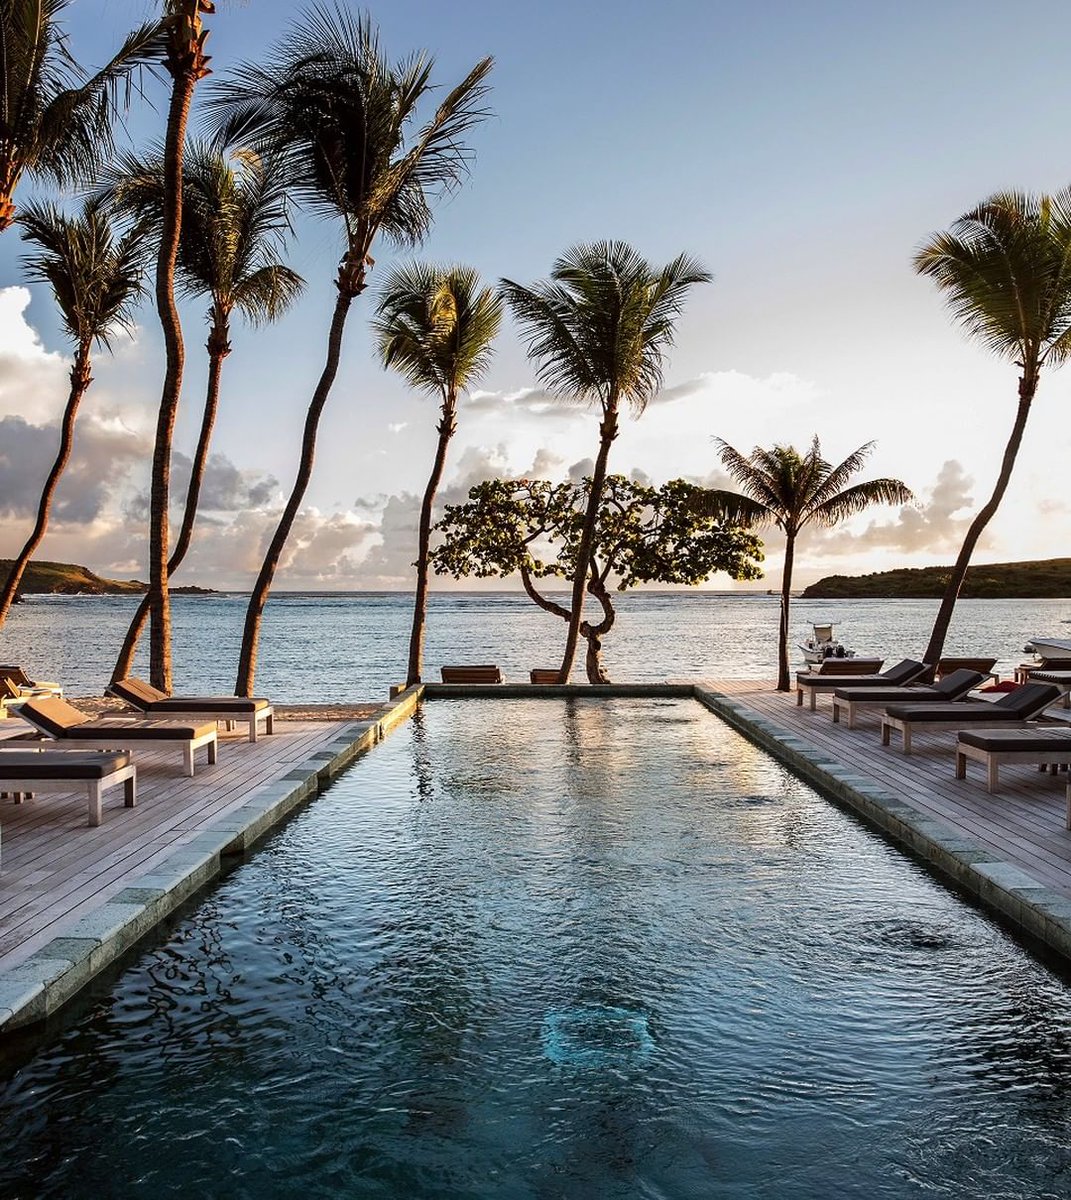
(56, 869)
(1023, 822)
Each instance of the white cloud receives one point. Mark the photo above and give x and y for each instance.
(33, 381)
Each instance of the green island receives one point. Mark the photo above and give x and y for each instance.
(1045, 579)
(70, 579)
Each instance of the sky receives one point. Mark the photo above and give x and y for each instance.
(801, 151)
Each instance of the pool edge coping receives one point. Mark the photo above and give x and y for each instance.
(41, 984)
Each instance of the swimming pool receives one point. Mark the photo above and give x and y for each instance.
(573, 949)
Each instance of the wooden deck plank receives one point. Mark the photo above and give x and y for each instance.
(1024, 821)
(56, 868)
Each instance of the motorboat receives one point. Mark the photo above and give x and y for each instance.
(1049, 647)
(822, 645)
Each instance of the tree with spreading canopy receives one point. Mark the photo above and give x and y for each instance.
(535, 529)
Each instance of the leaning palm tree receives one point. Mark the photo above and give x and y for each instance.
(234, 224)
(435, 325)
(789, 490)
(599, 329)
(186, 63)
(1005, 269)
(55, 121)
(339, 115)
(95, 276)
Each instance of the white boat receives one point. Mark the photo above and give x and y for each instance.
(822, 645)
(1050, 647)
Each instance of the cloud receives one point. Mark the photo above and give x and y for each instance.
(935, 525)
(33, 381)
(779, 387)
(224, 489)
(105, 453)
(533, 400)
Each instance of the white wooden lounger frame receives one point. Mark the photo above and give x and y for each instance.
(95, 788)
(991, 760)
(228, 720)
(888, 724)
(132, 745)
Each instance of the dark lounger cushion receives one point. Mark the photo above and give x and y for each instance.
(220, 704)
(142, 695)
(56, 717)
(952, 687)
(1027, 740)
(137, 730)
(59, 764)
(902, 673)
(1025, 702)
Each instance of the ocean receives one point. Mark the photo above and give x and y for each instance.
(352, 647)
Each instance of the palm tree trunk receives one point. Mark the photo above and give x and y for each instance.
(247, 662)
(160, 491)
(9, 177)
(786, 596)
(1027, 387)
(80, 380)
(218, 348)
(446, 428)
(607, 433)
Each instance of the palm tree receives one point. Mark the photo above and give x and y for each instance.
(234, 222)
(600, 328)
(435, 325)
(95, 276)
(55, 121)
(339, 115)
(186, 63)
(1005, 269)
(789, 490)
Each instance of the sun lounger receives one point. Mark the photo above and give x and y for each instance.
(478, 674)
(991, 747)
(1022, 705)
(1062, 679)
(951, 687)
(233, 709)
(905, 672)
(68, 725)
(1025, 672)
(543, 674)
(23, 772)
(25, 686)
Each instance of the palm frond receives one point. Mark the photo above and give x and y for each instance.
(335, 114)
(600, 327)
(436, 325)
(1005, 269)
(94, 271)
(856, 499)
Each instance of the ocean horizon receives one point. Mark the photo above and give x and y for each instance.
(352, 646)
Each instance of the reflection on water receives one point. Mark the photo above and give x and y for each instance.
(531, 951)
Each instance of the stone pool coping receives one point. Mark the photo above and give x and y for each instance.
(46, 980)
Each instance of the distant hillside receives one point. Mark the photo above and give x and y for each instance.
(69, 579)
(1047, 579)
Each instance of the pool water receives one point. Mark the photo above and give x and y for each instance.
(575, 949)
